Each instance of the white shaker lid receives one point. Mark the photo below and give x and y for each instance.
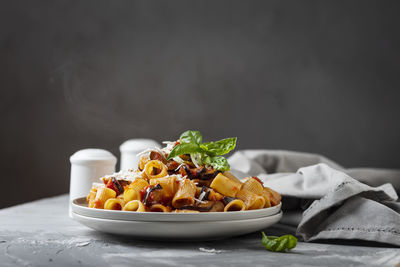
(138, 145)
(93, 155)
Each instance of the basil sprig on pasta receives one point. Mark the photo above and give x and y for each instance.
(278, 244)
(209, 153)
(193, 137)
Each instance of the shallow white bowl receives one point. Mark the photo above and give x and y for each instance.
(79, 206)
(178, 230)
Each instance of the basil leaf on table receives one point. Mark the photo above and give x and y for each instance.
(219, 163)
(191, 137)
(184, 148)
(278, 244)
(220, 147)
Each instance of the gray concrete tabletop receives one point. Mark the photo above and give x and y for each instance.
(41, 233)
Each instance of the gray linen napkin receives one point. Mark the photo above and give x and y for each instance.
(341, 207)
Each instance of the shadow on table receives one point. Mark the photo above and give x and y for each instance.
(250, 241)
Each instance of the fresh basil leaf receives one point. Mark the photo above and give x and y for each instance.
(278, 244)
(184, 148)
(197, 159)
(220, 147)
(218, 163)
(191, 137)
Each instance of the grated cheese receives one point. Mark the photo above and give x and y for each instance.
(179, 160)
(148, 151)
(200, 201)
(98, 185)
(202, 195)
(180, 165)
(169, 147)
(126, 175)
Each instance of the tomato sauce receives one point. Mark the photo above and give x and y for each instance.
(143, 193)
(258, 180)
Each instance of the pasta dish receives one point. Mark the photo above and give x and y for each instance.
(186, 176)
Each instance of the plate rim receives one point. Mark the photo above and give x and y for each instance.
(103, 225)
(280, 213)
(170, 216)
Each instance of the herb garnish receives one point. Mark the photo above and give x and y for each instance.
(204, 153)
(278, 244)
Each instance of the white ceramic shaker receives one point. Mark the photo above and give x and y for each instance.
(87, 166)
(130, 148)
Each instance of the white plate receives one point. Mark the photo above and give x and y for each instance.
(79, 206)
(178, 230)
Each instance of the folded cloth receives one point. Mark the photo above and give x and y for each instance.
(342, 207)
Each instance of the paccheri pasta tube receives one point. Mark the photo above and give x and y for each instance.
(185, 194)
(114, 204)
(186, 176)
(159, 208)
(155, 169)
(102, 195)
(132, 191)
(134, 205)
(253, 185)
(169, 185)
(225, 186)
(251, 200)
(234, 205)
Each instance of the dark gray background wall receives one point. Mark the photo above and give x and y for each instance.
(313, 76)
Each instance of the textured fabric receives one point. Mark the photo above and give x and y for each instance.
(334, 204)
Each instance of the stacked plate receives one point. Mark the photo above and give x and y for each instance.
(176, 226)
